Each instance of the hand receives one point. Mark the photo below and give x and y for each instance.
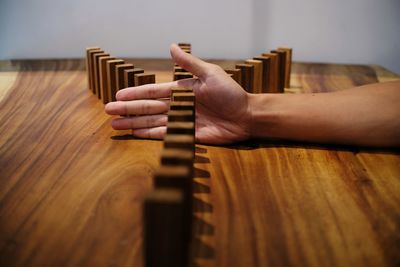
(222, 111)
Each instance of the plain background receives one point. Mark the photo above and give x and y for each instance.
(340, 31)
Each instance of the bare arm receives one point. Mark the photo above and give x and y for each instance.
(367, 115)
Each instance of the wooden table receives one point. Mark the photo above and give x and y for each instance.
(71, 187)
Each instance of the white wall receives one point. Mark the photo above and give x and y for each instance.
(344, 31)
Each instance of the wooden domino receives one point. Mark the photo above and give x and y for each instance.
(89, 52)
(111, 78)
(186, 47)
(180, 115)
(257, 74)
(182, 75)
(104, 78)
(143, 78)
(129, 76)
(96, 72)
(99, 70)
(179, 141)
(266, 67)
(246, 71)
(165, 243)
(92, 68)
(119, 75)
(288, 64)
(180, 90)
(93, 71)
(178, 177)
(281, 69)
(180, 127)
(274, 72)
(179, 69)
(182, 105)
(189, 45)
(174, 157)
(236, 74)
(183, 96)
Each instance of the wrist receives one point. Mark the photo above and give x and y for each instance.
(264, 115)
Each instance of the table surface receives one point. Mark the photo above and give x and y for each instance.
(71, 187)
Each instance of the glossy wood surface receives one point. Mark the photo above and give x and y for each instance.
(71, 188)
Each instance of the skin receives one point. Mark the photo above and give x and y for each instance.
(364, 116)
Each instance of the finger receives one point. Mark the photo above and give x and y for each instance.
(150, 133)
(139, 122)
(147, 91)
(190, 63)
(137, 107)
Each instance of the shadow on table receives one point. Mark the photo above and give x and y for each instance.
(201, 206)
(259, 144)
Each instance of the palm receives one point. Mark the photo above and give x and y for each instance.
(221, 109)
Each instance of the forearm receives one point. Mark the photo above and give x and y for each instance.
(367, 115)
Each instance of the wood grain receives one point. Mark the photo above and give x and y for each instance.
(71, 188)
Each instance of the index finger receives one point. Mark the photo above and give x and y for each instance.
(147, 91)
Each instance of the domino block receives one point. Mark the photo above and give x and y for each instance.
(180, 115)
(103, 93)
(236, 74)
(165, 244)
(183, 96)
(119, 75)
(174, 157)
(186, 50)
(180, 141)
(273, 73)
(246, 71)
(181, 178)
(96, 72)
(266, 67)
(288, 64)
(89, 51)
(180, 127)
(98, 78)
(93, 68)
(185, 47)
(129, 76)
(182, 75)
(257, 74)
(111, 78)
(281, 67)
(182, 105)
(143, 78)
(92, 53)
(179, 69)
(178, 177)
(180, 90)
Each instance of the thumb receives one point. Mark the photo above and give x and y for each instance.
(190, 63)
